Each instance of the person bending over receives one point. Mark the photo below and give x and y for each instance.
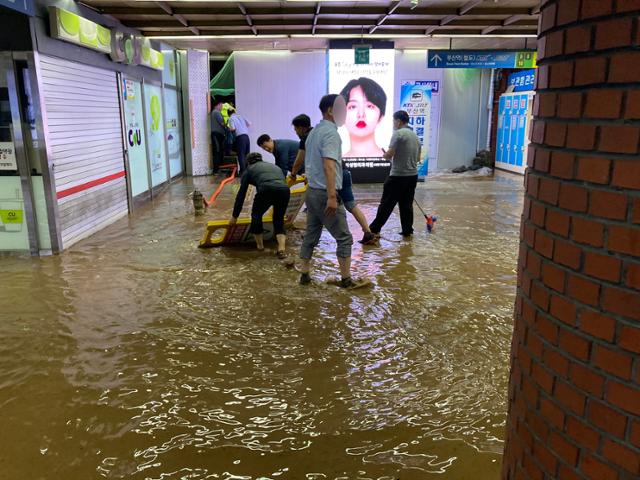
(272, 190)
(284, 151)
(400, 186)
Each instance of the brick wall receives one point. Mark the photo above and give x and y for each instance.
(574, 392)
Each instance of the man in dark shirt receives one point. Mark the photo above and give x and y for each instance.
(302, 126)
(271, 190)
(284, 151)
(218, 133)
(400, 187)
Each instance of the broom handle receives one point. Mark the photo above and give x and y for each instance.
(416, 202)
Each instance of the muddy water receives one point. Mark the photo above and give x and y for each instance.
(136, 355)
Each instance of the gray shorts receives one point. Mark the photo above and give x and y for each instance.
(350, 205)
(316, 201)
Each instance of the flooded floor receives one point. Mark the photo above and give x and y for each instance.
(136, 355)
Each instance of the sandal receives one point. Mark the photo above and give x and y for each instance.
(281, 254)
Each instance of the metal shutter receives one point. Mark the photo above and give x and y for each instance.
(85, 143)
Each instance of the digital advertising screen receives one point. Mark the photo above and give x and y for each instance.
(368, 90)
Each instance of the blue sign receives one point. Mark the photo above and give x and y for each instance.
(416, 100)
(22, 6)
(481, 59)
(523, 81)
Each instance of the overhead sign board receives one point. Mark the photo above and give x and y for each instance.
(481, 59)
(22, 6)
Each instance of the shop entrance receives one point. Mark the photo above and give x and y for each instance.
(24, 222)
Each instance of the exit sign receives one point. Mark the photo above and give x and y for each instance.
(361, 54)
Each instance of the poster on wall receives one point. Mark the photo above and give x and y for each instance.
(368, 92)
(420, 99)
(169, 73)
(135, 137)
(7, 156)
(155, 134)
(172, 131)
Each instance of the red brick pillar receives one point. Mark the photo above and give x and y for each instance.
(574, 393)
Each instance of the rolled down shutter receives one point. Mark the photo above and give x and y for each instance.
(85, 140)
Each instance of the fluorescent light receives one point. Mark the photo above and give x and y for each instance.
(484, 36)
(355, 37)
(250, 36)
(217, 37)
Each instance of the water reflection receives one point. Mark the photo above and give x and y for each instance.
(136, 355)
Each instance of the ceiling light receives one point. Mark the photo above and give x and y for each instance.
(217, 37)
(477, 35)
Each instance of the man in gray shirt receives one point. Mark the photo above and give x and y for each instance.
(400, 186)
(323, 162)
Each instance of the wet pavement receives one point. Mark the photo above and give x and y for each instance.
(136, 355)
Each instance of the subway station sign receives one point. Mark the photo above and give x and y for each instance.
(481, 59)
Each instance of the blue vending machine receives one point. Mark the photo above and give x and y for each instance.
(513, 134)
(522, 129)
(507, 128)
(514, 121)
(513, 131)
(500, 141)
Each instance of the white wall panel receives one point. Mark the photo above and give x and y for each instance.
(274, 87)
(85, 138)
(464, 97)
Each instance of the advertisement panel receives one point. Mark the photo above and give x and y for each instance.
(420, 99)
(368, 91)
(135, 137)
(155, 134)
(172, 131)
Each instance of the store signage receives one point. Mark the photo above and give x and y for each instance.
(73, 28)
(122, 47)
(22, 6)
(135, 50)
(523, 81)
(11, 216)
(361, 54)
(8, 156)
(481, 59)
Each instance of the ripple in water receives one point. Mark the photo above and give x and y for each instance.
(136, 355)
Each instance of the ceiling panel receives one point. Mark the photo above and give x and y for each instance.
(287, 17)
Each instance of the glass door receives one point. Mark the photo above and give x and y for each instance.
(18, 230)
(156, 146)
(135, 137)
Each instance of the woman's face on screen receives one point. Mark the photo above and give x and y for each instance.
(362, 115)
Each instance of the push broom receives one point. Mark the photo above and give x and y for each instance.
(429, 219)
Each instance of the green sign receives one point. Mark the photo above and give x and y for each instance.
(126, 48)
(73, 28)
(361, 55)
(526, 60)
(11, 216)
